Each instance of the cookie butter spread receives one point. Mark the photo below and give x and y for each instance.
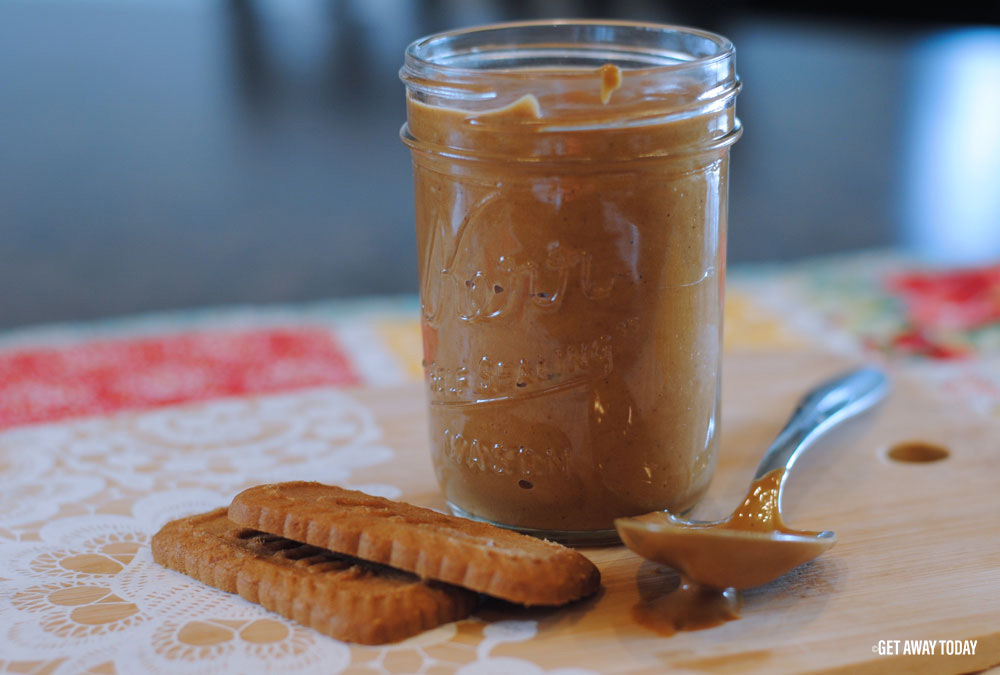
(570, 231)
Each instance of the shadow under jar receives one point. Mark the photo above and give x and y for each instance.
(571, 186)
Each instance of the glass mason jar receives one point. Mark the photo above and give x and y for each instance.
(571, 195)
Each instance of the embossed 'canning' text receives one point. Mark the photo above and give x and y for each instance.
(493, 378)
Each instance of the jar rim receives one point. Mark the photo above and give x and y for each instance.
(417, 55)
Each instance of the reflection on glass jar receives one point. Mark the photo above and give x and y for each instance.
(571, 183)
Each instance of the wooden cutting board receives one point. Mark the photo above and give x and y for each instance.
(918, 556)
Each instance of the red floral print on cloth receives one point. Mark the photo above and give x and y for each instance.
(942, 306)
(43, 384)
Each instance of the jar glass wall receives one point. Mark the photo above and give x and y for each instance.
(570, 183)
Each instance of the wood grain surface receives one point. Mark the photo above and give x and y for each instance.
(918, 556)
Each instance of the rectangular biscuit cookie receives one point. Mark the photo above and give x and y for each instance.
(467, 553)
(345, 598)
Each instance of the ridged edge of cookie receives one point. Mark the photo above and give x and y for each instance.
(471, 554)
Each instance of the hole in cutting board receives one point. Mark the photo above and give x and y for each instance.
(917, 452)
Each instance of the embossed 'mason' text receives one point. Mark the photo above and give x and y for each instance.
(517, 461)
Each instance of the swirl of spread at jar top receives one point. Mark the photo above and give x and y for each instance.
(570, 187)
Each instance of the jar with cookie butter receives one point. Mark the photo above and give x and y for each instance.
(571, 198)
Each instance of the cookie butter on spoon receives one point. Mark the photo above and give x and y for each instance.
(753, 545)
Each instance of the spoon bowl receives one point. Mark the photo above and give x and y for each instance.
(720, 557)
(753, 545)
(716, 555)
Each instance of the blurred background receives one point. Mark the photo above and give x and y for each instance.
(163, 154)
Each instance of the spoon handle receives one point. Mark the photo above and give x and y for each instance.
(824, 407)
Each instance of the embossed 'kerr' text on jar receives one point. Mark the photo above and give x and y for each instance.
(571, 186)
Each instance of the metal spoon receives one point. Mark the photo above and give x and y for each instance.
(753, 546)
